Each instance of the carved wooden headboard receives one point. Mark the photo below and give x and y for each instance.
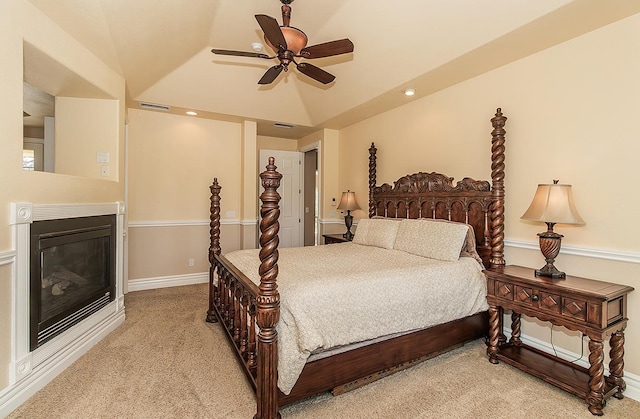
(433, 195)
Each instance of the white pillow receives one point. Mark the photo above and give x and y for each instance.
(376, 232)
(431, 239)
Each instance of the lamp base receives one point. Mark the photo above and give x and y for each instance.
(348, 222)
(550, 248)
(550, 271)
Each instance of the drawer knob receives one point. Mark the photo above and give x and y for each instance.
(535, 297)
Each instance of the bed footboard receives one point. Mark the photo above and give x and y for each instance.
(240, 305)
(232, 296)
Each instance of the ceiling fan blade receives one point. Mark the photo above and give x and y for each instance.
(239, 53)
(315, 73)
(272, 31)
(271, 74)
(327, 49)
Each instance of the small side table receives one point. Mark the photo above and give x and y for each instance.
(595, 308)
(334, 238)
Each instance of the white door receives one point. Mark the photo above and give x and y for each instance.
(289, 164)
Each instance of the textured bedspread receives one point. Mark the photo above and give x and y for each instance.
(344, 293)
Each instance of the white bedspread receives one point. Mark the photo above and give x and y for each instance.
(344, 293)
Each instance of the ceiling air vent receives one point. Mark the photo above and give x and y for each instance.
(281, 125)
(154, 107)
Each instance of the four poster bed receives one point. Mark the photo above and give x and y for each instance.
(359, 290)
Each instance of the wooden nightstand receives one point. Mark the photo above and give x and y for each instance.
(334, 238)
(595, 308)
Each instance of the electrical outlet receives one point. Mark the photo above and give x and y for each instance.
(192, 262)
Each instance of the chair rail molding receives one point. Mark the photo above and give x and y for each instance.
(607, 254)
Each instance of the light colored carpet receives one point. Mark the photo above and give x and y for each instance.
(165, 361)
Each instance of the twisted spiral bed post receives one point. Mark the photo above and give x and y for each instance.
(268, 299)
(372, 179)
(214, 246)
(497, 178)
(214, 219)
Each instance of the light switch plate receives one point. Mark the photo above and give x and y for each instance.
(102, 157)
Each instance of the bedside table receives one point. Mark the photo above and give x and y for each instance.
(595, 308)
(334, 238)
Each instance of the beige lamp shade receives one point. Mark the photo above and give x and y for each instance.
(348, 201)
(553, 204)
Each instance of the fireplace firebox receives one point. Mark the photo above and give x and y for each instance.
(72, 273)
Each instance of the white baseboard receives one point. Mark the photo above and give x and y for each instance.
(16, 394)
(632, 380)
(168, 281)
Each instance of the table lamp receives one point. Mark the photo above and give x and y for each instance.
(348, 202)
(552, 204)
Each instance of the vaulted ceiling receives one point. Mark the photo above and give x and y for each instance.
(162, 49)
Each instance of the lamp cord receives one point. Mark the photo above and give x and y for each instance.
(556, 353)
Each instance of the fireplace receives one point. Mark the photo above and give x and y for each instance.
(46, 341)
(72, 273)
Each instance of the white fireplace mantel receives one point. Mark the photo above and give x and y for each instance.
(31, 370)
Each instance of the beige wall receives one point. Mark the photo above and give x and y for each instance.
(275, 143)
(249, 235)
(85, 127)
(172, 162)
(164, 251)
(21, 22)
(573, 115)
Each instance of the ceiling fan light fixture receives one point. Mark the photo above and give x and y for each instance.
(257, 46)
(290, 43)
(296, 39)
(409, 92)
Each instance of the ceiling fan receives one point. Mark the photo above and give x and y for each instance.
(290, 43)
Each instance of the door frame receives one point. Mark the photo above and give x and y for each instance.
(317, 145)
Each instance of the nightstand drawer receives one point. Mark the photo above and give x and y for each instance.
(549, 302)
(524, 295)
(504, 290)
(574, 308)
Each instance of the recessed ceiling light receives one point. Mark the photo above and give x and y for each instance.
(409, 92)
(192, 113)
